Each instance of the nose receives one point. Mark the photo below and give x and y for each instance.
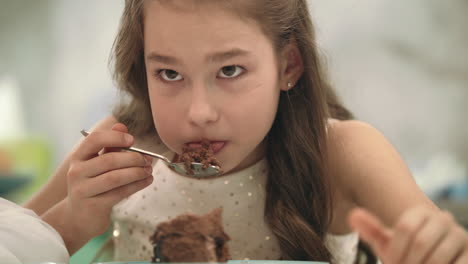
(202, 110)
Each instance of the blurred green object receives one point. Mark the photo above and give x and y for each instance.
(93, 250)
(31, 157)
(9, 182)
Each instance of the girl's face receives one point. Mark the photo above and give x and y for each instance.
(211, 75)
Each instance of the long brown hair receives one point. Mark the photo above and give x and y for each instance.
(298, 203)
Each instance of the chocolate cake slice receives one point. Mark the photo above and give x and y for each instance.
(191, 238)
(203, 155)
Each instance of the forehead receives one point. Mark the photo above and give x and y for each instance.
(176, 24)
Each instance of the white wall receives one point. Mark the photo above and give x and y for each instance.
(81, 88)
(58, 51)
(402, 66)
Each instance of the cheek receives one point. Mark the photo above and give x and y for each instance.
(165, 121)
(255, 113)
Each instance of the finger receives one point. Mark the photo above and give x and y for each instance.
(98, 140)
(115, 179)
(113, 161)
(120, 127)
(116, 127)
(370, 229)
(79, 171)
(114, 196)
(454, 244)
(428, 237)
(405, 230)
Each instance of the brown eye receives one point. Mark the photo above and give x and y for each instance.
(231, 71)
(170, 75)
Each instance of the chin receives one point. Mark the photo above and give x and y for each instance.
(226, 169)
(227, 165)
(231, 168)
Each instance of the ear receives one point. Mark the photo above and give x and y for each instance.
(292, 65)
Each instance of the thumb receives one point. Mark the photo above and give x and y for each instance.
(120, 127)
(116, 127)
(370, 229)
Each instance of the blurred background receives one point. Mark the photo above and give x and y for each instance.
(401, 66)
(54, 81)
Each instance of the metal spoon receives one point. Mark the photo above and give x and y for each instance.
(198, 170)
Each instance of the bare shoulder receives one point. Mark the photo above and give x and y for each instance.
(369, 171)
(353, 135)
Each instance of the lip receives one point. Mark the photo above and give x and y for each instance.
(216, 146)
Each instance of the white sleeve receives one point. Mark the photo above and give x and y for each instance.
(25, 238)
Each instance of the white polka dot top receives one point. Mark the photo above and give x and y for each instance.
(240, 194)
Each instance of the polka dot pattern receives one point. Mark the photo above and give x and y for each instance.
(240, 194)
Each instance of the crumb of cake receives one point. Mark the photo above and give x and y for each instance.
(203, 155)
(191, 238)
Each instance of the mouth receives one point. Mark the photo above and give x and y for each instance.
(216, 146)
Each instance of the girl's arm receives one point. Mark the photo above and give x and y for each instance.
(56, 188)
(399, 222)
(370, 171)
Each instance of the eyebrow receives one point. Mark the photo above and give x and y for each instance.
(214, 57)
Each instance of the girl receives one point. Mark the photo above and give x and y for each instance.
(246, 76)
